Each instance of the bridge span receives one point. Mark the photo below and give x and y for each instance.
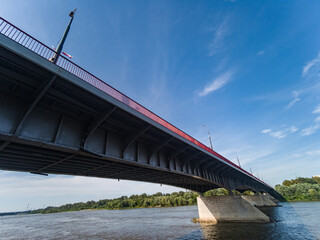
(60, 119)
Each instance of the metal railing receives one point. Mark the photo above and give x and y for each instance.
(24, 39)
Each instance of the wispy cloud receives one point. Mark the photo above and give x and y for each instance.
(317, 109)
(296, 99)
(216, 84)
(220, 32)
(315, 127)
(266, 130)
(278, 134)
(314, 152)
(260, 53)
(314, 62)
(293, 129)
(310, 130)
(281, 133)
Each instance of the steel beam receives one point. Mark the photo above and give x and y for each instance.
(209, 164)
(175, 154)
(94, 125)
(158, 147)
(32, 105)
(17, 130)
(57, 134)
(98, 167)
(197, 164)
(134, 137)
(188, 160)
(4, 145)
(55, 163)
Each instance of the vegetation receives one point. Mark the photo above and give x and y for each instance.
(136, 201)
(300, 189)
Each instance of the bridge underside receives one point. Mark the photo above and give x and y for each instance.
(35, 159)
(54, 122)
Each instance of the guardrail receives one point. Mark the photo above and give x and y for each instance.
(21, 37)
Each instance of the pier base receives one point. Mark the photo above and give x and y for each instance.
(231, 208)
(259, 200)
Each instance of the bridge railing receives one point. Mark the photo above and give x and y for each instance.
(24, 39)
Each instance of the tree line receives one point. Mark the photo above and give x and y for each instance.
(300, 189)
(293, 190)
(136, 201)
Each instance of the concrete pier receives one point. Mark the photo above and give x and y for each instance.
(273, 199)
(231, 208)
(259, 200)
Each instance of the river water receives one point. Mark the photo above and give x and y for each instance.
(299, 220)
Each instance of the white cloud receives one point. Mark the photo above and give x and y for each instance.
(313, 128)
(311, 64)
(278, 134)
(293, 102)
(310, 130)
(295, 99)
(293, 129)
(217, 44)
(260, 53)
(266, 130)
(281, 133)
(216, 84)
(317, 109)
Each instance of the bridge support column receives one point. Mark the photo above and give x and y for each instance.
(228, 209)
(273, 199)
(259, 200)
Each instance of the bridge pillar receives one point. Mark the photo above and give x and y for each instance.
(259, 200)
(228, 209)
(273, 199)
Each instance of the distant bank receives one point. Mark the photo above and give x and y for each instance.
(299, 189)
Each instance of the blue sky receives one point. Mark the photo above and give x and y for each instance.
(248, 70)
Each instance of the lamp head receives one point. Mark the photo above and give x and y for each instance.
(71, 14)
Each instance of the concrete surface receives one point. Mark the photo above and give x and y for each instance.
(259, 200)
(228, 209)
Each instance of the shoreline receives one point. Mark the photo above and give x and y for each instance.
(129, 208)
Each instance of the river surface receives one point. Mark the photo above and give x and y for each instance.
(299, 220)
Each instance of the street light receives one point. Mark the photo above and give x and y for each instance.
(203, 125)
(63, 39)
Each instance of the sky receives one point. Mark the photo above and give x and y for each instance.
(247, 71)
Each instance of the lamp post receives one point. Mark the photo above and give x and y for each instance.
(203, 125)
(63, 39)
(238, 161)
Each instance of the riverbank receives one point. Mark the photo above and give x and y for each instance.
(300, 189)
(296, 190)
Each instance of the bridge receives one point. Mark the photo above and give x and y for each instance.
(57, 118)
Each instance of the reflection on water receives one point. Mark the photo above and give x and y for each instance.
(292, 221)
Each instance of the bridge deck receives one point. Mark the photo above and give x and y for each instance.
(61, 119)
